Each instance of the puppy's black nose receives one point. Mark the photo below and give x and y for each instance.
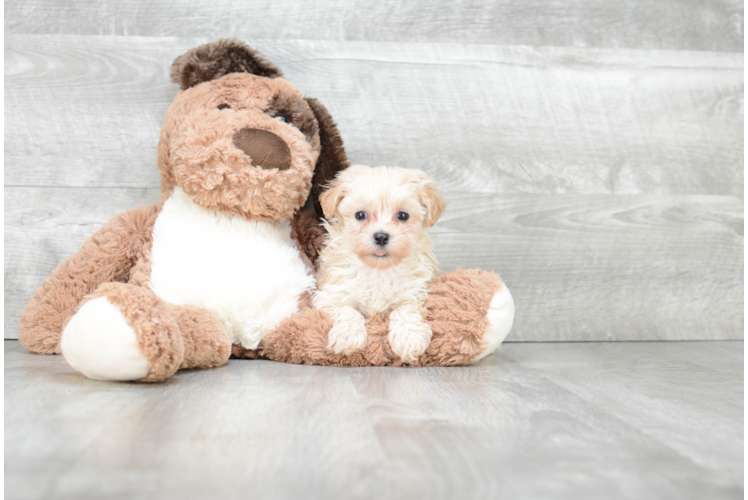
(381, 238)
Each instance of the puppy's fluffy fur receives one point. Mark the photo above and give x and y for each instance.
(377, 263)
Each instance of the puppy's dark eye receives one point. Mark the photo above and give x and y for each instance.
(224, 106)
(402, 216)
(282, 118)
(360, 215)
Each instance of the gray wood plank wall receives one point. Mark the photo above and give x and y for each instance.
(591, 152)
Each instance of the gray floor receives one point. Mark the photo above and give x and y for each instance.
(536, 420)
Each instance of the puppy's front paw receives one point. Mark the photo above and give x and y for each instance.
(409, 334)
(348, 332)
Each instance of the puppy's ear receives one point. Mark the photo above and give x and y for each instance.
(430, 198)
(215, 59)
(332, 159)
(331, 198)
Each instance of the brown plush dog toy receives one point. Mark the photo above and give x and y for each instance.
(224, 262)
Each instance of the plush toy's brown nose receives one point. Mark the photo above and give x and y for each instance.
(266, 149)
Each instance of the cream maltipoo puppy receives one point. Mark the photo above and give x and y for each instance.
(377, 258)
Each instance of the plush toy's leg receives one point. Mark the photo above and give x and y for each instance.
(500, 320)
(125, 332)
(107, 256)
(470, 313)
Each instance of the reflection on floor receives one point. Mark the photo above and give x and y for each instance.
(536, 420)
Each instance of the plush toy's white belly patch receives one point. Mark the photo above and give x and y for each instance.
(249, 273)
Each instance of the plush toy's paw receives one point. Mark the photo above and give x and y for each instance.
(348, 332)
(409, 334)
(500, 317)
(99, 343)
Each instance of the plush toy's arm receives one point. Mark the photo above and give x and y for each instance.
(106, 256)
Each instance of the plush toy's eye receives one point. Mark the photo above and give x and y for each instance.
(224, 106)
(360, 215)
(282, 118)
(402, 216)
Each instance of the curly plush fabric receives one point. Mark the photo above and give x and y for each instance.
(332, 158)
(107, 256)
(457, 306)
(171, 337)
(215, 59)
(309, 235)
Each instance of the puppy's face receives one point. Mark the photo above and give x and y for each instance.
(382, 211)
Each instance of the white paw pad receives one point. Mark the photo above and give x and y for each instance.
(500, 319)
(99, 343)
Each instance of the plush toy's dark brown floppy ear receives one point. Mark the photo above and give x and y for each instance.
(215, 59)
(332, 157)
